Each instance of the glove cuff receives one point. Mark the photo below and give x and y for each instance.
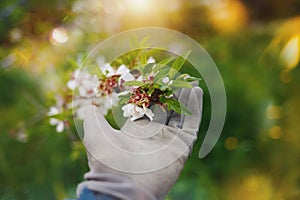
(114, 185)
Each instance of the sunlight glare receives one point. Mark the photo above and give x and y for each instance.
(228, 16)
(290, 54)
(59, 35)
(139, 6)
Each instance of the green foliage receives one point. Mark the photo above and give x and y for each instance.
(33, 168)
(161, 74)
(181, 84)
(18, 90)
(175, 105)
(133, 83)
(178, 63)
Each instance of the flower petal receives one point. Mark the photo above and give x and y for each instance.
(149, 113)
(128, 110)
(72, 84)
(60, 127)
(166, 80)
(89, 85)
(140, 78)
(75, 73)
(82, 91)
(136, 116)
(53, 111)
(122, 70)
(126, 77)
(138, 112)
(107, 70)
(151, 60)
(53, 121)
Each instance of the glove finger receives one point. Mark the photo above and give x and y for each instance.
(176, 119)
(192, 122)
(188, 133)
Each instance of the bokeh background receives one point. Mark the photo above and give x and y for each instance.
(255, 44)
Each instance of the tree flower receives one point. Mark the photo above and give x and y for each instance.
(85, 82)
(112, 78)
(55, 110)
(58, 123)
(122, 72)
(136, 112)
(140, 98)
(151, 60)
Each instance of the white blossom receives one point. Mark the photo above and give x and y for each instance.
(136, 112)
(85, 82)
(151, 60)
(107, 70)
(55, 110)
(58, 123)
(126, 77)
(122, 71)
(166, 80)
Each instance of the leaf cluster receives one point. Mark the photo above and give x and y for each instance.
(160, 81)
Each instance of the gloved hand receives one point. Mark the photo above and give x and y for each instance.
(144, 159)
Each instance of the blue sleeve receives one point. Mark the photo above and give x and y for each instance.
(90, 195)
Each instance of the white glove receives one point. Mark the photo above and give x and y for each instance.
(144, 159)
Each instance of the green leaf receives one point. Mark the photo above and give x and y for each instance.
(191, 79)
(184, 109)
(150, 91)
(143, 59)
(163, 87)
(181, 77)
(178, 63)
(168, 92)
(167, 60)
(163, 63)
(133, 83)
(181, 84)
(155, 85)
(123, 101)
(160, 75)
(124, 96)
(178, 107)
(148, 68)
(158, 67)
(162, 99)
